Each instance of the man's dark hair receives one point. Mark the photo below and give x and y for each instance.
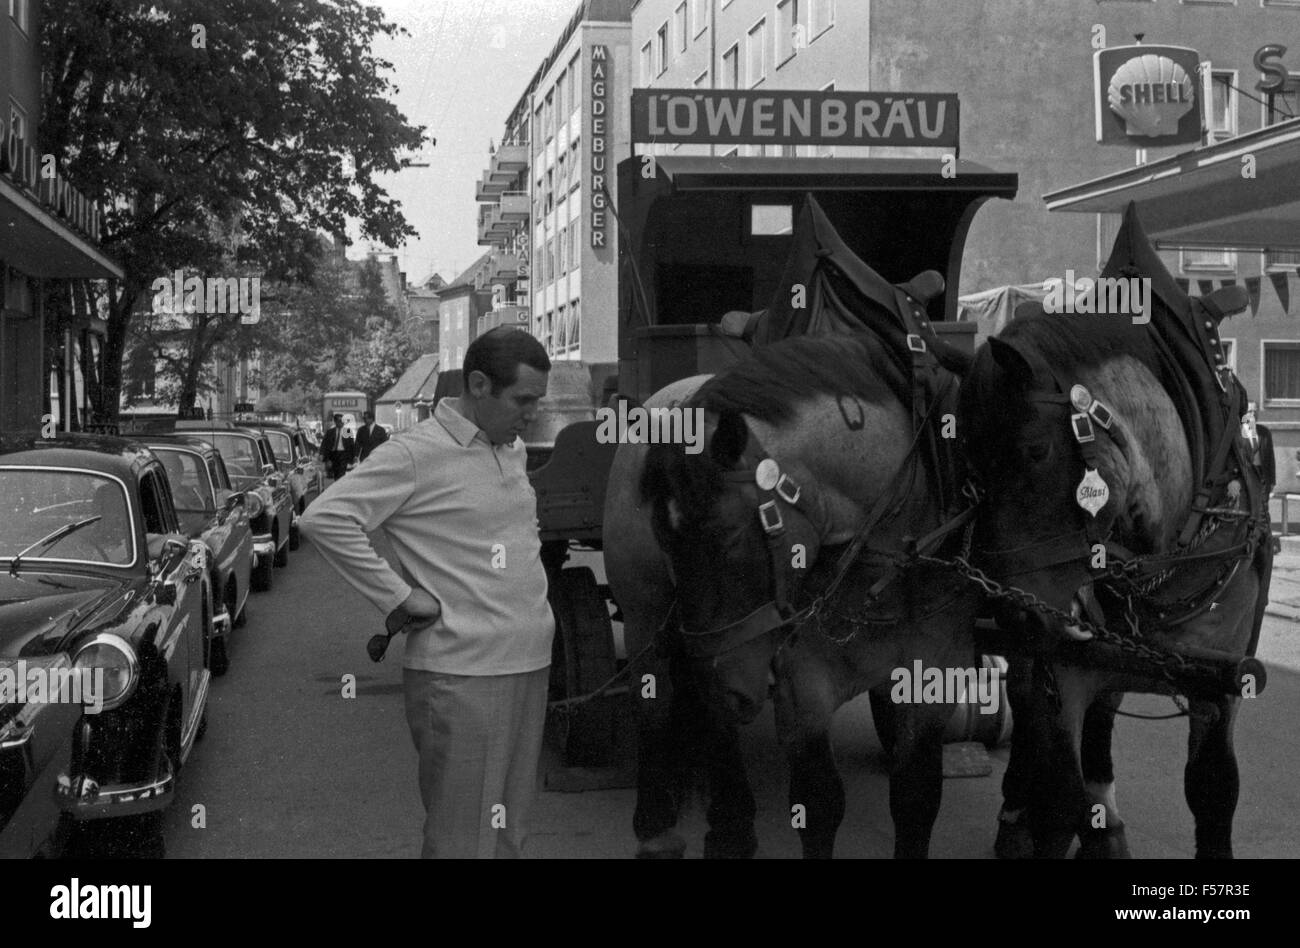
(368, 416)
(498, 354)
(338, 419)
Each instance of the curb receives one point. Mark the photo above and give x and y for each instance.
(1283, 611)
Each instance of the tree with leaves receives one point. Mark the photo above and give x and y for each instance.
(181, 114)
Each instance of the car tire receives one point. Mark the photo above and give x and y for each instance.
(282, 551)
(261, 577)
(124, 837)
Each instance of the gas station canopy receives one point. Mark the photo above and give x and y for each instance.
(1243, 193)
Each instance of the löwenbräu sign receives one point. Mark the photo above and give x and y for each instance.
(799, 117)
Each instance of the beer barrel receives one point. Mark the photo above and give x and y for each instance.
(969, 723)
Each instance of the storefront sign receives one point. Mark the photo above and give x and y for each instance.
(23, 166)
(726, 117)
(599, 104)
(1276, 77)
(1147, 96)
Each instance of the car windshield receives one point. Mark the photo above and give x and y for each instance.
(36, 503)
(191, 491)
(280, 444)
(243, 462)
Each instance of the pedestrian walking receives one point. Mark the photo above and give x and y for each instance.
(337, 450)
(452, 498)
(369, 436)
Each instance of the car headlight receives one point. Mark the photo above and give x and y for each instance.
(118, 668)
(255, 504)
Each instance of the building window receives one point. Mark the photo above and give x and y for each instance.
(701, 80)
(661, 49)
(575, 70)
(821, 17)
(575, 329)
(680, 27)
(538, 136)
(1281, 371)
(1229, 349)
(19, 12)
(731, 68)
(561, 110)
(564, 251)
(575, 236)
(788, 35)
(1217, 261)
(646, 74)
(1279, 261)
(573, 165)
(756, 53)
(700, 16)
(1281, 106)
(550, 115)
(1223, 105)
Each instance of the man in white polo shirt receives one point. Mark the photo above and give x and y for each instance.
(452, 498)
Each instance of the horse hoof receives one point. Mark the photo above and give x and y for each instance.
(664, 846)
(1014, 840)
(1108, 843)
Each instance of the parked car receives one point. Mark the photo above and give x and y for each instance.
(97, 577)
(251, 465)
(212, 511)
(300, 463)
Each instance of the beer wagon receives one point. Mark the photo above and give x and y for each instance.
(701, 237)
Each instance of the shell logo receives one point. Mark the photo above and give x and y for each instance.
(1151, 93)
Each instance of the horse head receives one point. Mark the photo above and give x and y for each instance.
(1075, 453)
(738, 531)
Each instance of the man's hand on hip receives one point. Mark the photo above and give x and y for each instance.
(422, 609)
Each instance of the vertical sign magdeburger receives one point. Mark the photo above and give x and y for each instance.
(1147, 96)
(599, 147)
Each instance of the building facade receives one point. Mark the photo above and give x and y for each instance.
(1024, 73)
(461, 303)
(51, 357)
(548, 190)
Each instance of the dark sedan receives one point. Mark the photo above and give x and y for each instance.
(251, 465)
(211, 511)
(105, 612)
(300, 465)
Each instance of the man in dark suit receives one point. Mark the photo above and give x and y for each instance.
(337, 449)
(369, 436)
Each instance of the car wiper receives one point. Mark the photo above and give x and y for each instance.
(54, 537)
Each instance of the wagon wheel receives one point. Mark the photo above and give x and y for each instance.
(582, 660)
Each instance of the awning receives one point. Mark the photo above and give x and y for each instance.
(39, 244)
(1201, 198)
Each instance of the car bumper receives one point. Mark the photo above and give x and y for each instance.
(263, 545)
(83, 799)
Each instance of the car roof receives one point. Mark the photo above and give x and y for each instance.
(180, 441)
(122, 457)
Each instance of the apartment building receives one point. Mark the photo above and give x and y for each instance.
(547, 192)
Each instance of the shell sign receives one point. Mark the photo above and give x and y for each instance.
(1147, 96)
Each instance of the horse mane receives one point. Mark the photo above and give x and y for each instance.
(774, 378)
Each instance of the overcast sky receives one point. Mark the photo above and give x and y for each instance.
(459, 72)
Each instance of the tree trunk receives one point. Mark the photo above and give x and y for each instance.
(119, 322)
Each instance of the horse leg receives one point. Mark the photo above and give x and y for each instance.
(1059, 802)
(1014, 839)
(1103, 837)
(1210, 780)
(816, 798)
(916, 777)
(661, 732)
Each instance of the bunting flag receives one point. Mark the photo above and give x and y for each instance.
(1253, 285)
(1206, 287)
(1184, 285)
(1281, 285)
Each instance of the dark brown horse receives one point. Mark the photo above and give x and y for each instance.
(1073, 425)
(810, 446)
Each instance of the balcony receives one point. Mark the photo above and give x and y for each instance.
(505, 166)
(497, 222)
(503, 268)
(517, 316)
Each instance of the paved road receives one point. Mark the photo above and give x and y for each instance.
(290, 767)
